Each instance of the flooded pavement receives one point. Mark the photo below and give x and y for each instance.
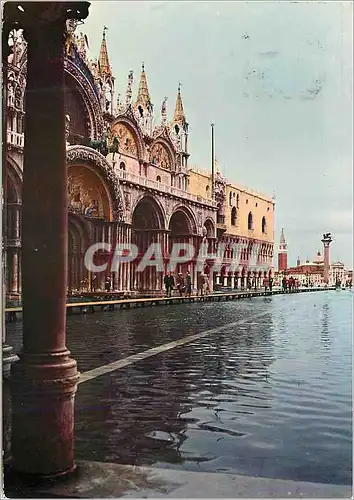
(269, 397)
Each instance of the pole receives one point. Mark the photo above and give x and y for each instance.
(212, 161)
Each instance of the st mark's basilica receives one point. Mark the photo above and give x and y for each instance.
(130, 180)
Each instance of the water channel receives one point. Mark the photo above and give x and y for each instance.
(268, 397)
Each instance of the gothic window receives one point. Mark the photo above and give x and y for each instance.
(177, 129)
(230, 199)
(122, 165)
(233, 216)
(250, 221)
(246, 202)
(237, 200)
(158, 178)
(264, 225)
(207, 189)
(256, 204)
(141, 111)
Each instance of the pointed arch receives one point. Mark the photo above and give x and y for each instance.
(210, 228)
(264, 225)
(130, 138)
(84, 85)
(162, 153)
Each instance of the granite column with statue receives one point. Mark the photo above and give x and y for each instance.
(326, 240)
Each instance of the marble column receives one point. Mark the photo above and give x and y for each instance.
(44, 380)
(14, 272)
(7, 353)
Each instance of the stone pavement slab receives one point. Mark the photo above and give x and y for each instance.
(107, 480)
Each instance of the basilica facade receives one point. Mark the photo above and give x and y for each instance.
(129, 181)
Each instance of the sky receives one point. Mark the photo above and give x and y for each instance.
(274, 77)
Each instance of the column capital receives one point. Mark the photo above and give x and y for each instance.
(25, 14)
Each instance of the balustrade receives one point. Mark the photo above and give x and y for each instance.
(15, 139)
(150, 183)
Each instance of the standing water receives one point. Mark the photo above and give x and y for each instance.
(269, 397)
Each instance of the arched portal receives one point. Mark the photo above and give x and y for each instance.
(12, 188)
(76, 110)
(88, 194)
(147, 228)
(79, 278)
(182, 229)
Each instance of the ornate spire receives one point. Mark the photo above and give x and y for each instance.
(282, 245)
(143, 98)
(179, 112)
(104, 66)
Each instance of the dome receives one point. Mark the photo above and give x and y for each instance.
(318, 259)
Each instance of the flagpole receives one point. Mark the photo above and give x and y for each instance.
(212, 161)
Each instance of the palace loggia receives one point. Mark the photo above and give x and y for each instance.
(130, 181)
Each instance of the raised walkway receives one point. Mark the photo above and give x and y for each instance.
(88, 306)
(108, 480)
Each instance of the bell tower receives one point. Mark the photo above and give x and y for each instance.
(282, 253)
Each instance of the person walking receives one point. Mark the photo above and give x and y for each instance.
(169, 283)
(180, 284)
(270, 284)
(188, 284)
(265, 284)
(284, 284)
(108, 284)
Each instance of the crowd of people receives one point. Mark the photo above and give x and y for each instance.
(290, 284)
(183, 284)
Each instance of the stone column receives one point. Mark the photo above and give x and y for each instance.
(44, 380)
(7, 355)
(14, 272)
(326, 240)
(128, 266)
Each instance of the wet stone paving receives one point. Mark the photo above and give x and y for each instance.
(267, 393)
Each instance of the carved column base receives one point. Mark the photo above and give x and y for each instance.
(8, 357)
(43, 392)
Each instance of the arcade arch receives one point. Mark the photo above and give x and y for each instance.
(147, 228)
(12, 186)
(79, 278)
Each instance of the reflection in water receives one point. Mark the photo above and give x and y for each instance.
(271, 397)
(325, 336)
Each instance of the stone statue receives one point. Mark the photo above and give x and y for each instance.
(129, 88)
(67, 129)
